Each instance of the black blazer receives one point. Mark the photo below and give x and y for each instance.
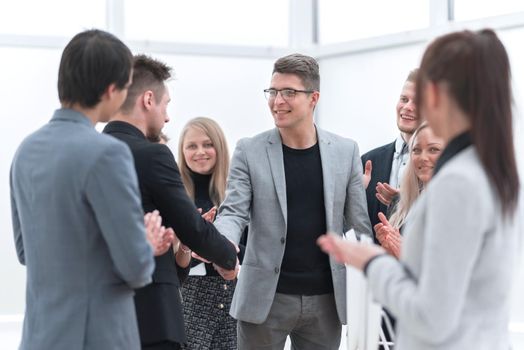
(382, 159)
(158, 305)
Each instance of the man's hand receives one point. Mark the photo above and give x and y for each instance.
(198, 257)
(157, 235)
(385, 193)
(366, 178)
(228, 274)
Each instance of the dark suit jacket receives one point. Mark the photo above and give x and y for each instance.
(382, 159)
(158, 305)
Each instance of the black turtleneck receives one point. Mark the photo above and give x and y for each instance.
(201, 187)
(203, 201)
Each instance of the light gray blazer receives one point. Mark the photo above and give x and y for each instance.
(256, 195)
(451, 288)
(79, 229)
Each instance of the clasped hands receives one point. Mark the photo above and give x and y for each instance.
(226, 274)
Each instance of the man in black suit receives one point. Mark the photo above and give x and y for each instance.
(141, 118)
(388, 161)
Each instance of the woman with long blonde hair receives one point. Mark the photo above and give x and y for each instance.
(203, 160)
(424, 150)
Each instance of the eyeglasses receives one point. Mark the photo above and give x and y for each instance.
(287, 94)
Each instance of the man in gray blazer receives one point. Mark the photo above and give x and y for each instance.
(77, 218)
(291, 185)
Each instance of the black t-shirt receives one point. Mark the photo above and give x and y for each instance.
(305, 269)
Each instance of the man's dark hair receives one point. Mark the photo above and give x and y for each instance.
(92, 61)
(148, 74)
(305, 67)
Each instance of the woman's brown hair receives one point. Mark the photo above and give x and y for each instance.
(474, 66)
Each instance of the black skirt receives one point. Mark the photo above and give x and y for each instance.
(206, 302)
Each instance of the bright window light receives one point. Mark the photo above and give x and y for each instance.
(342, 20)
(474, 9)
(51, 17)
(230, 22)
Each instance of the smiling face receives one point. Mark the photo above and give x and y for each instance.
(291, 113)
(407, 119)
(426, 149)
(199, 152)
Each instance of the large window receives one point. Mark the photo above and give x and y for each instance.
(474, 9)
(342, 20)
(51, 17)
(230, 22)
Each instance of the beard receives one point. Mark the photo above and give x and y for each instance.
(153, 135)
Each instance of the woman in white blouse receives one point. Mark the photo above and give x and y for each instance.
(451, 287)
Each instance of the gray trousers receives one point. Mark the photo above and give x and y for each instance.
(311, 322)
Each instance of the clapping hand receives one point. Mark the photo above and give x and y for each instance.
(385, 193)
(388, 236)
(157, 235)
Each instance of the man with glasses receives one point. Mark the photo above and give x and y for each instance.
(291, 184)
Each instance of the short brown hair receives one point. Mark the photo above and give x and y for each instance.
(148, 74)
(412, 76)
(305, 67)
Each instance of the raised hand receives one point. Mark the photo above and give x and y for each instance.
(157, 235)
(388, 236)
(166, 242)
(366, 178)
(385, 193)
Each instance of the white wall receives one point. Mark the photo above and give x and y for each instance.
(359, 93)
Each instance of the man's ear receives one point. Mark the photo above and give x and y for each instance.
(314, 98)
(110, 91)
(148, 99)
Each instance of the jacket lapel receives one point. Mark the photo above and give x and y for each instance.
(329, 163)
(276, 162)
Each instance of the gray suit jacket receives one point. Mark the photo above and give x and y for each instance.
(79, 229)
(452, 286)
(256, 194)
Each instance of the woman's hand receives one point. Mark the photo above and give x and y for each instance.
(388, 236)
(210, 215)
(355, 254)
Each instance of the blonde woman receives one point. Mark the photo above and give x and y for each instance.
(424, 148)
(203, 159)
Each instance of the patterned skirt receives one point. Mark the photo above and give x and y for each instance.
(206, 301)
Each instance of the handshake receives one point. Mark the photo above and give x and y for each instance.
(161, 238)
